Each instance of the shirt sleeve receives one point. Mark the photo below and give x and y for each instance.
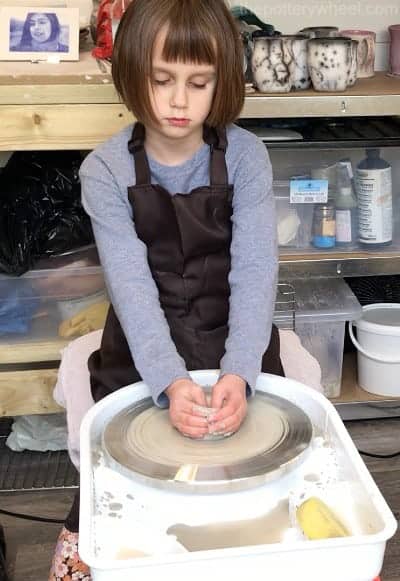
(254, 266)
(129, 281)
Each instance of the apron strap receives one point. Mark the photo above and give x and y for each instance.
(215, 138)
(136, 148)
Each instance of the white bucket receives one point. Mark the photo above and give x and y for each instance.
(378, 345)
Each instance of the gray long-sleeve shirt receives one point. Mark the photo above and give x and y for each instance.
(106, 174)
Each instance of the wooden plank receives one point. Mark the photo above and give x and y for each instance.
(59, 126)
(288, 255)
(379, 95)
(89, 81)
(88, 69)
(31, 351)
(28, 392)
(65, 91)
(351, 391)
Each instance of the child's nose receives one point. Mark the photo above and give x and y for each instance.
(179, 96)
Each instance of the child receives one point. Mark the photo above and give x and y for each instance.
(183, 214)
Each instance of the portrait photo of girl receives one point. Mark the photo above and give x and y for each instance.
(41, 32)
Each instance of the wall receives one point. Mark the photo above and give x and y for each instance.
(289, 16)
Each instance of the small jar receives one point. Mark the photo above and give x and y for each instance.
(324, 226)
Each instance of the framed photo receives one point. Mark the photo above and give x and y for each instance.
(39, 33)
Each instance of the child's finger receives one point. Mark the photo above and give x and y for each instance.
(223, 414)
(192, 431)
(228, 425)
(198, 396)
(217, 398)
(193, 421)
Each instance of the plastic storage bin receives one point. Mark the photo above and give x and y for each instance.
(355, 558)
(39, 306)
(298, 161)
(322, 308)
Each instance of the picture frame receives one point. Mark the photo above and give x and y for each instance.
(39, 33)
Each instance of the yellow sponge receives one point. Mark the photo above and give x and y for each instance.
(317, 520)
(89, 319)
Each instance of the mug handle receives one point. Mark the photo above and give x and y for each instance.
(365, 50)
(370, 50)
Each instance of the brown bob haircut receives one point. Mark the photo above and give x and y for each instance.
(200, 31)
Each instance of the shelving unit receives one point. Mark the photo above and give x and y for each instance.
(75, 106)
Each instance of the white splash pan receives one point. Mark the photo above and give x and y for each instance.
(355, 558)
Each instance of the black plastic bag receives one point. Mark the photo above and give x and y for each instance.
(40, 209)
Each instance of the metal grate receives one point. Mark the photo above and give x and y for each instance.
(285, 306)
(335, 132)
(30, 471)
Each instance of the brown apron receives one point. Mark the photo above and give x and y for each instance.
(188, 238)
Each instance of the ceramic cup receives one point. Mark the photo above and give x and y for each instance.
(394, 58)
(366, 50)
(247, 52)
(329, 62)
(270, 64)
(352, 73)
(296, 49)
(319, 31)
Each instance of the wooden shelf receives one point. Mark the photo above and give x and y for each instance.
(45, 106)
(351, 391)
(332, 264)
(31, 351)
(379, 95)
(75, 106)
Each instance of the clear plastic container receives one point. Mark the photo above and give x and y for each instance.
(38, 307)
(293, 220)
(301, 162)
(322, 308)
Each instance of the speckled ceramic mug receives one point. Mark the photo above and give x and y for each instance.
(329, 63)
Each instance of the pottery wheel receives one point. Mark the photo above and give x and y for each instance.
(274, 435)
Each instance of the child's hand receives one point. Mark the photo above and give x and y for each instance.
(183, 395)
(229, 397)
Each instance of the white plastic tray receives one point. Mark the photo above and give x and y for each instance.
(355, 558)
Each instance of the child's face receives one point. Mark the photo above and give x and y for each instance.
(181, 94)
(40, 27)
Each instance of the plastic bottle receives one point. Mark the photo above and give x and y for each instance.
(346, 208)
(374, 190)
(323, 227)
(326, 171)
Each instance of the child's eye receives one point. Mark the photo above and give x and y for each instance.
(199, 85)
(160, 82)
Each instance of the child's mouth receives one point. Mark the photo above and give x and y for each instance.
(178, 122)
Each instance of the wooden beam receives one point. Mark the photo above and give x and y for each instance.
(28, 392)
